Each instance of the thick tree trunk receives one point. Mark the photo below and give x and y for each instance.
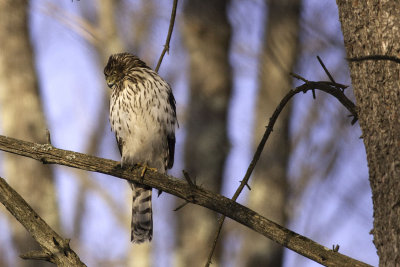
(22, 117)
(206, 34)
(269, 183)
(372, 28)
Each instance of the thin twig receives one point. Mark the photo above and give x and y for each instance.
(48, 137)
(171, 28)
(298, 77)
(325, 69)
(187, 178)
(181, 206)
(191, 184)
(36, 255)
(304, 88)
(251, 167)
(374, 57)
(247, 185)
(335, 248)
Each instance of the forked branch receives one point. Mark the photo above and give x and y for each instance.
(55, 249)
(332, 88)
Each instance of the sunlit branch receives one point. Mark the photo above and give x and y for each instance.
(195, 194)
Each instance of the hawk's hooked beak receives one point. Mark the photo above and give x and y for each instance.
(109, 82)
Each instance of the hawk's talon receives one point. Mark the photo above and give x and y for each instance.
(145, 168)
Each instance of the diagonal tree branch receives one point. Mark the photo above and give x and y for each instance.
(324, 86)
(197, 195)
(300, 244)
(55, 248)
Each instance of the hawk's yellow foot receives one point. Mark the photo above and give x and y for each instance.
(145, 168)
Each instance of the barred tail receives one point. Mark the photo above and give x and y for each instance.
(142, 215)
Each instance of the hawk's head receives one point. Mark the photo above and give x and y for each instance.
(121, 65)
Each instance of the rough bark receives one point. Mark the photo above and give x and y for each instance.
(372, 28)
(269, 183)
(22, 117)
(206, 34)
(55, 249)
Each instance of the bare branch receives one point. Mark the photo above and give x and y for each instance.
(36, 255)
(171, 28)
(298, 77)
(181, 206)
(374, 57)
(48, 138)
(55, 248)
(325, 69)
(324, 86)
(171, 185)
(187, 177)
(198, 195)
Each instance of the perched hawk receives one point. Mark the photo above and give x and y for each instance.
(143, 117)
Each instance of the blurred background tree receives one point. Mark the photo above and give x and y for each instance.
(206, 34)
(22, 116)
(228, 65)
(278, 57)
